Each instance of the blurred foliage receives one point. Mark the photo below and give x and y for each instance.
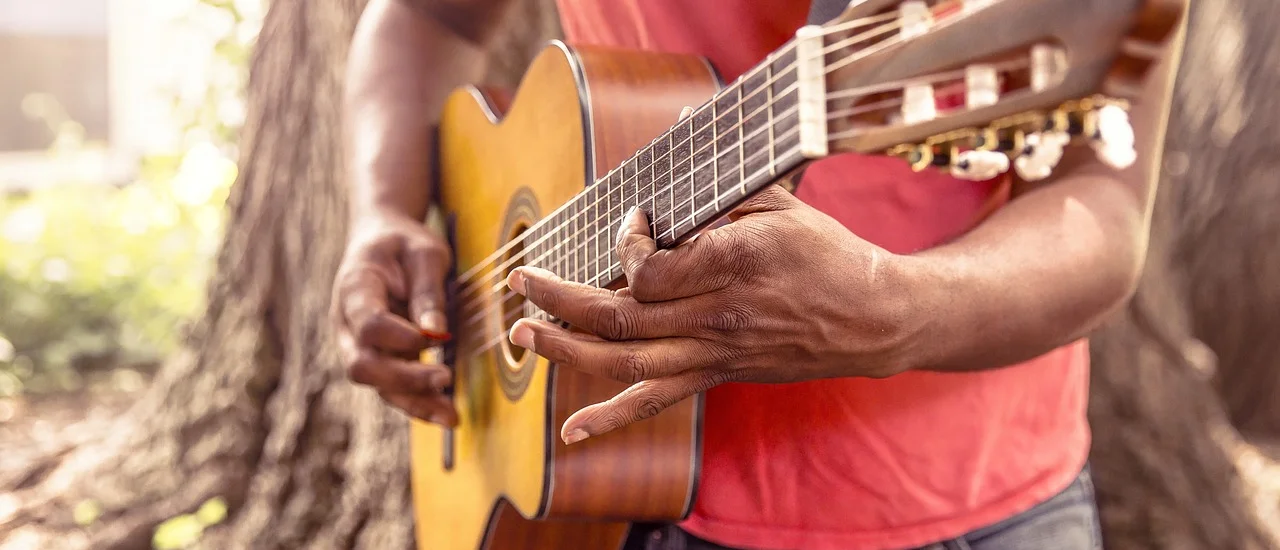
(94, 277)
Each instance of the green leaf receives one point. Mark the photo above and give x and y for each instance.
(212, 512)
(177, 533)
(86, 512)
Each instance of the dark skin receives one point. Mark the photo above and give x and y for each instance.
(782, 293)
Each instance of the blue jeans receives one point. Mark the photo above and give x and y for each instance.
(1067, 521)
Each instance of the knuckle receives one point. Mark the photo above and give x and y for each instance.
(431, 252)
(633, 366)
(562, 351)
(648, 406)
(367, 331)
(640, 278)
(610, 320)
(729, 320)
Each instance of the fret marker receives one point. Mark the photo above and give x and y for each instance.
(811, 91)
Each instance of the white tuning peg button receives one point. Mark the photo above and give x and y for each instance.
(1114, 141)
(1041, 155)
(978, 165)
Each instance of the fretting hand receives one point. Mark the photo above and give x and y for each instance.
(784, 293)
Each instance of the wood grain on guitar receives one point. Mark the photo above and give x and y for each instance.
(544, 177)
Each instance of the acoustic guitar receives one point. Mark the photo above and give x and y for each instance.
(543, 177)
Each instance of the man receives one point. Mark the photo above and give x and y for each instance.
(902, 368)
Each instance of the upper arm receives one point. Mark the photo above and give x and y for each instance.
(473, 20)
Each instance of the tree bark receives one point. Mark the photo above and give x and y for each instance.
(256, 411)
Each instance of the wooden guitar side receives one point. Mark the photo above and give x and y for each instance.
(512, 483)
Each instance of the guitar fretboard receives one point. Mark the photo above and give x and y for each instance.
(732, 146)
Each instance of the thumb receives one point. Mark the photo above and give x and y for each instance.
(425, 271)
(771, 199)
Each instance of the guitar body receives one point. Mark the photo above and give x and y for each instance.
(502, 479)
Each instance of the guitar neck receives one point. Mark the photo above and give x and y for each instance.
(743, 139)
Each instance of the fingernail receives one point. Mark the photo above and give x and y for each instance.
(522, 335)
(516, 281)
(432, 325)
(574, 436)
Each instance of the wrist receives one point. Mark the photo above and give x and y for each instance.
(917, 297)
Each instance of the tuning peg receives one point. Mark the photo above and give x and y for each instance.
(979, 165)
(1040, 154)
(1112, 138)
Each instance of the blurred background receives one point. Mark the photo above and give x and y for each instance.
(165, 377)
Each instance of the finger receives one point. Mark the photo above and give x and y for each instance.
(367, 315)
(628, 362)
(600, 311)
(684, 113)
(398, 375)
(653, 275)
(638, 402)
(425, 269)
(435, 409)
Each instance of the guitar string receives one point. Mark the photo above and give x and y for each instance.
(940, 9)
(834, 115)
(593, 222)
(838, 114)
(594, 281)
(598, 278)
(469, 287)
(502, 333)
(476, 269)
(485, 311)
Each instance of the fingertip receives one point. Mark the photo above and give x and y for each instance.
(522, 334)
(515, 280)
(575, 436)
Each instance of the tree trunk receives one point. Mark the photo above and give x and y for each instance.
(1208, 310)
(255, 410)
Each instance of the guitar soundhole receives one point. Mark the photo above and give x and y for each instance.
(513, 306)
(515, 364)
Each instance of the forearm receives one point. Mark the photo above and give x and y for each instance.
(1042, 272)
(1050, 266)
(402, 64)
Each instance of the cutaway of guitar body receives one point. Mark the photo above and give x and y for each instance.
(503, 479)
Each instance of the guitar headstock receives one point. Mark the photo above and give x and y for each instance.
(970, 86)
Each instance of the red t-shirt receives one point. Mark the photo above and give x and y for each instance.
(857, 463)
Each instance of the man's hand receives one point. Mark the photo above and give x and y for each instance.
(388, 307)
(784, 293)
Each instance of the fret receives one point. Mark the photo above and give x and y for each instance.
(768, 71)
(784, 116)
(742, 166)
(598, 229)
(670, 194)
(728, 147)
(533, 246)
(557, 251)
(630, 187)
(755, 128)
(660, 170)
(702, 186)
(573, 243)
(616, 213)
